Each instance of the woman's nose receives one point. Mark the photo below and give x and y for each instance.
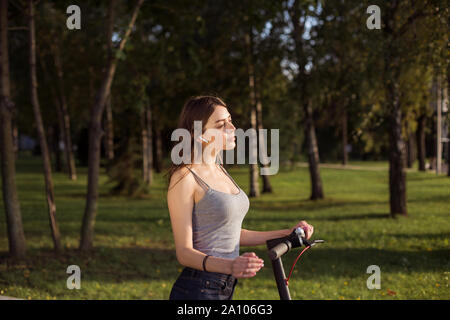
(231, 126)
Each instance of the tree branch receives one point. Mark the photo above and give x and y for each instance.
(419, 13)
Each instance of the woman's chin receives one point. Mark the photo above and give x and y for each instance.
(230, 145)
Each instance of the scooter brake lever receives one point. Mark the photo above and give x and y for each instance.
(316, 241)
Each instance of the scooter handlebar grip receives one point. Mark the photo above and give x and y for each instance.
(279, 250)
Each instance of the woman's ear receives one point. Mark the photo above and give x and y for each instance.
(201, 138)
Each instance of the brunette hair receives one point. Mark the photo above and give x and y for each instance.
(198, 108)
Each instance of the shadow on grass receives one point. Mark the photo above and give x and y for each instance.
(422, 236)
(117, 265)
(344, 217)
(354, 262)
(336, 218)
(444, 198)
(310, 205)
(425, 176)
(102, 264)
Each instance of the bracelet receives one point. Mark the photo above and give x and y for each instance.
(204, 261)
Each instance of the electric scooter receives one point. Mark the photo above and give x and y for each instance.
(279, 247)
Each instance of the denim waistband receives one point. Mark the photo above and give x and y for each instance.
(194, 273)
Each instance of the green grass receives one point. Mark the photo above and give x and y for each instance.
(134, 256)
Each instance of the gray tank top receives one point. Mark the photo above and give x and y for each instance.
(217, 220)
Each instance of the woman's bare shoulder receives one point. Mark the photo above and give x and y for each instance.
(181, 180)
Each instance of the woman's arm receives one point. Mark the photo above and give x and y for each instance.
(255, 238)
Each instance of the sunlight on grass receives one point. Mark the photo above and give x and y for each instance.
(134, 255)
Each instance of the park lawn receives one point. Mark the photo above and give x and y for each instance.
(134, 256)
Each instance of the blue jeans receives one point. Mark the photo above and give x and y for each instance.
(194, 284)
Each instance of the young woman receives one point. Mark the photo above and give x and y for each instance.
(207, 208)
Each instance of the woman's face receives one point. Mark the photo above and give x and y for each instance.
(219, 128)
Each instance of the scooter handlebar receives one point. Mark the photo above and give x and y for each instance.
(280, 249)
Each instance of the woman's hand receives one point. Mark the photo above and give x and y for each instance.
(246, 265)
(309, 229)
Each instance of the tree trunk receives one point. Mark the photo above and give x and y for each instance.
(447, 97)
(16, 237)
(91, 87)
(144, 135)
(411, 151)
(397, 175)
(262, 143)
(109, 130)
(302, 80)
(56, 102)
(313, 154)
(158, 150)
(95, 136)
(147, 145)
(255, 98)
(390, 77)
(439, 124)
(420, 135)
(64, 110)
(448, 155)
(253, 147)
(431, 153)
(53, 147)
(15, 134)
(41, 132)
(253, 152)
(344, 136)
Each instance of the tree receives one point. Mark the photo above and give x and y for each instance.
(109, 129)
(95, 136)
(41, 131)
(338, 66)
(147, 144)
(298, 16)
(420, 136)
(51, 38)
(448, 119)
(64, 113)
(411, 35)
(253, 149)
(16, 237)
(256, 16)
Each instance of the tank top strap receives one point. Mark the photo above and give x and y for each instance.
(231, 178)
(200, 181)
